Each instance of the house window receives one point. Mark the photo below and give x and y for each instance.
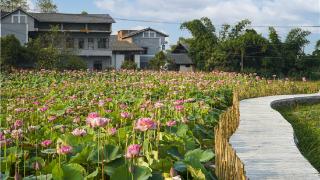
(23, 19)
(163, 47)
(145, 50)
(70, 43)
(81, 43)
(15, 19)
(152, 34)
(90, 43)
(97, 65)
(129, 57)
(19, 19)
(146, 34)
(188, 65)
(102, 43)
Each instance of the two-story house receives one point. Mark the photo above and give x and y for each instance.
(150, 40)
(87, 34)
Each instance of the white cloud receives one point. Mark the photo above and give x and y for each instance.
(262, 12)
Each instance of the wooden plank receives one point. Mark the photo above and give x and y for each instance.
(264, 142)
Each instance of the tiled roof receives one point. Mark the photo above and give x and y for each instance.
(73, 18)
(142, 30)
(123, 45)
(181, 58)
(66, 18)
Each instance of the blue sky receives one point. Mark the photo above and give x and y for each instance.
(260, 12)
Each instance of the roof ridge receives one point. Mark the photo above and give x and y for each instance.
(66, 13)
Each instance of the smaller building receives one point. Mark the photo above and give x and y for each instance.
(150, 40)
(181, 58)
(124, 51)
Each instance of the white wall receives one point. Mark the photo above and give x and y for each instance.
(137, 60)
(118, 59)
(183, 68)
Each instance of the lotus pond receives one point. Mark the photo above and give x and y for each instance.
(118, 125)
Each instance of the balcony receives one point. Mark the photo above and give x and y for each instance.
(93, 52)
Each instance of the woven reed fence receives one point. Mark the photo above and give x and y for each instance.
(228, 164)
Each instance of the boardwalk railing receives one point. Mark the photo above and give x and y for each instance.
(228, 164)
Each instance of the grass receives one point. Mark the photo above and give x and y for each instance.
(306, 124)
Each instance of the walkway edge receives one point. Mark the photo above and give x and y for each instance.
(264, 140)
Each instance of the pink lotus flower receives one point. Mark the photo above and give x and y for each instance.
(179, 107)
(144, 124)
(79, 132)
(64, 149)
(171, 123)
(46, 143)
(108, 111)
(52, 118)
(76, 120)
(133, 151)
(189, 100)
(125, 115)
(5, 142)
(112, 131)
(73, 97)
(93, 115)
(123, 106)
(44, 108)
(36, 103)
(108, 99)
(19, 110)
(158, 105)
(36, 165)
(18, 124)
(178, 102)
(101, 103)
(94, 120)
(16, 134)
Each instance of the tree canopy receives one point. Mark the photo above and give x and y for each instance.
(47, 6)
(10, 5)
(241, 48)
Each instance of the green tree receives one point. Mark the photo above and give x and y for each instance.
(293, 49)
(316, 52)
(10, 5)
(158, 61)
(47, 6)
(10, 49)
(13, 55)
(202, 42)
(84, 12)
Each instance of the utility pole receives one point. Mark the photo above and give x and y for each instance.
(242, 53)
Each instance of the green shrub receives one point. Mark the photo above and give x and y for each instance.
(71, 62)
(47, 58)
(128, 64)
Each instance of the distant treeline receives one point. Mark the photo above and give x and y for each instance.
(240, 48)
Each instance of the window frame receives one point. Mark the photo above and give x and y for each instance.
(83, 41)
(102, 41)
(145, 50)
(89, 44)
(19, 15)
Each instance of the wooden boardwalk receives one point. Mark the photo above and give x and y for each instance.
(265, 143)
